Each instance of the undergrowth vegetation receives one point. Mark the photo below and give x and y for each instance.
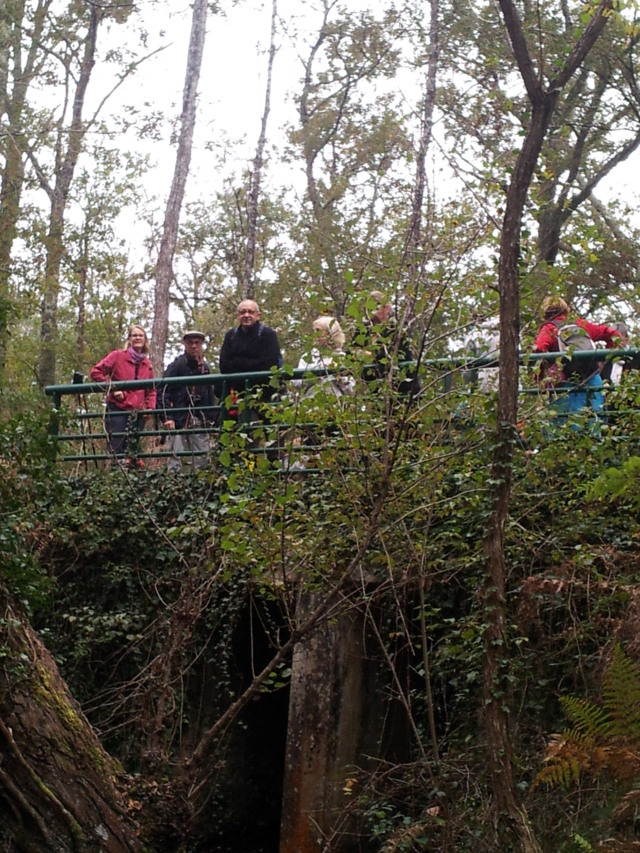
(162, 597)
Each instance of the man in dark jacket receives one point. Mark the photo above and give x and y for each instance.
(188, 407)
(381, 340)
(250, 347)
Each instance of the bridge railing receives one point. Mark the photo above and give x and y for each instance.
(89, 411)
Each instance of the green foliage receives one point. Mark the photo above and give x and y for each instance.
(29, 482)
(147, 587)
(156, 581)
(603, 738)
(621, 697)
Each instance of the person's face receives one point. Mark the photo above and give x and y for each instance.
(322, 336)
(137, 339)
(193, 347)
(248, 313)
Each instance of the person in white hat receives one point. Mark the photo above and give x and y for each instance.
(188, 407)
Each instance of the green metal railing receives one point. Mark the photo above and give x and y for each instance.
(244, 384)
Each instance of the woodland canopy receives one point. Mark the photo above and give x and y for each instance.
(149, 624)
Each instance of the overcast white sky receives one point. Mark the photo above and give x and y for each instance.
(231, 91)
(232, 85)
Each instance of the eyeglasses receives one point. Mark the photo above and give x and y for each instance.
(246, 311)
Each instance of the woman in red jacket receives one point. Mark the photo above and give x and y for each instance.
(132, 362)
(579, 391)
(555, 311)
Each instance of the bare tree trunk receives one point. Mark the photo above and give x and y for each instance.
(83, 269)
(13, 102)
(512, 816)
(10, 192)
(248, 283)
(164, 266)
(414, 236)
(59, 789)
(311, 149)
(58, 197)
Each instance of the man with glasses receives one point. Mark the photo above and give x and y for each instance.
(188, 407)
(250, 347)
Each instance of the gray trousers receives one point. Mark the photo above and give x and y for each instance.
(191, 441)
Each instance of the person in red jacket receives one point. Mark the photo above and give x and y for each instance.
(132, 362)
(581, 391)
(556, 311)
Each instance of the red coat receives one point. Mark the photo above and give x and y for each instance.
(547, 338)
(119, 366)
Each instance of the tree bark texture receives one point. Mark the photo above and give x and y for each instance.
(59, 790)
(414, 237)
(164, 266)
(312, 146)
(512, 816)
(13, 95)
(248, 284)
(58, 195)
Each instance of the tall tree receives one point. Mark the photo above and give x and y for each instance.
(67, 151)
(543, 94)
(414, 236)
(20, 65)
(253, 196)
(164, 266)
(601, 104)
(350, 136)
(595, 126)
(102, 288)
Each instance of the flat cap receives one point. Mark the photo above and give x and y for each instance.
(193, 333)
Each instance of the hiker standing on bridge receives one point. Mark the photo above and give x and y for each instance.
(579, 379)
(123, 407)
(382, 340)
(327, 352)
(250, 347)
(188, 407)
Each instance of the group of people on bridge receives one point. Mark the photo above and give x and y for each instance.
(187, 411)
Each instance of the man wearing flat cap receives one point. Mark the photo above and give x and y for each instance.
(188, 409)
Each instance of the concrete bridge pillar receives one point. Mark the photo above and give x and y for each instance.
(332, 727)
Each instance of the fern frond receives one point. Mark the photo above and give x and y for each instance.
(594, 722)
(600, 739)
(559, 774)
(621, 694)
(568, 756)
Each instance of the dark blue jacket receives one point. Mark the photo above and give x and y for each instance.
(198, 399)
(250, 350)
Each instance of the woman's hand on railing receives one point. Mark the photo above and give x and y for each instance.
(169, 424)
